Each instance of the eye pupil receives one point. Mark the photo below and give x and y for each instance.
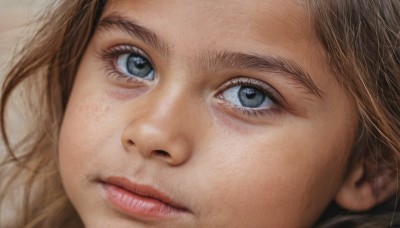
(251, 97)
(250, 93)
(139, 62)
(138, 66)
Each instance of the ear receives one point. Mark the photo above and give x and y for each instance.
(359, 193)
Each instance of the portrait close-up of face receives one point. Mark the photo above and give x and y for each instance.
(206, 114)
(199, 113)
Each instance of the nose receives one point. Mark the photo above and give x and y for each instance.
(158, 129)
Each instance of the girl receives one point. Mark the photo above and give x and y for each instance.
(207, 114)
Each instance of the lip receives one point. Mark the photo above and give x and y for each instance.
(140, 201)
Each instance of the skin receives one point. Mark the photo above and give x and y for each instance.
(231, 169)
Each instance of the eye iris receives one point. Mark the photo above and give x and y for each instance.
(251, 97)
(138, 66)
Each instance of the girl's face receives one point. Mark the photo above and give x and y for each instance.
(205, 114)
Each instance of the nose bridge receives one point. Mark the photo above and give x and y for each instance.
(169, 104)
(160, 129)
(169, 107)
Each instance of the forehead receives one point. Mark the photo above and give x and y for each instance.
(264, 21)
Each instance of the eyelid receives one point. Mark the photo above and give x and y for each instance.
(271, 92)
(120, 49)
(110, 55)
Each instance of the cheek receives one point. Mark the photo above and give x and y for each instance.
(273, 174)
(85, 129)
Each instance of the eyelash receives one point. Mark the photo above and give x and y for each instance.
(110, 55)
(270, 93)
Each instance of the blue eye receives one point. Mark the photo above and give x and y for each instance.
(247, 96)
(135, 65)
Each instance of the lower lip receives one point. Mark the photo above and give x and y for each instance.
(139, 206)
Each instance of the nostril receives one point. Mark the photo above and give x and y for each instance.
(130, 142)
(161, 153)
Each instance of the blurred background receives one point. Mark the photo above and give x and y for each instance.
(14, 16)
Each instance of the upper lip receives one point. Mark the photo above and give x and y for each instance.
(144, 191)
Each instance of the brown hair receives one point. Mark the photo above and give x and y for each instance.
(361, 39)
(45, 71)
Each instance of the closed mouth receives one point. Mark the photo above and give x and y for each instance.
(140, 200)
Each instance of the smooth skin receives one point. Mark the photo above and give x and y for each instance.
(230, 165)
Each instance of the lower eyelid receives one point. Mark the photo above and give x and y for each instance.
(264, 115)
(253, 112)
(112, 71)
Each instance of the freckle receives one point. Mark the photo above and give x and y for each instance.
(126, 94)
(93, 110)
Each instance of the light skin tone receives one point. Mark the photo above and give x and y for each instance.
(279, 151)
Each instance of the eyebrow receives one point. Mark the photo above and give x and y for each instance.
(217, 59)
(132, 28)
(264, 63)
